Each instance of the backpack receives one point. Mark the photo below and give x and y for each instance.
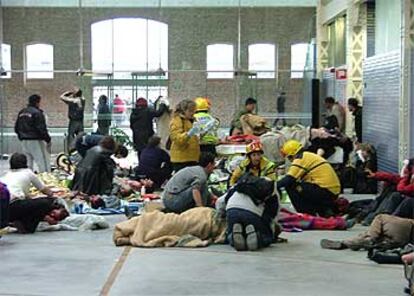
(257, 188)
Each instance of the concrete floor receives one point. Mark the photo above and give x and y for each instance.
(80, 263)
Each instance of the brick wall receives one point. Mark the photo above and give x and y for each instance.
(190, 31)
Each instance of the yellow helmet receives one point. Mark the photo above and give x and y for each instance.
(254, 147)
(202, 104)
(291, 148)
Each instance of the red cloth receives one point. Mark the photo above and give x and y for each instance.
(387, 177)
(294, 221)
(119, 106)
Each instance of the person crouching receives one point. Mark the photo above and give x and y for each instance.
(251, 208)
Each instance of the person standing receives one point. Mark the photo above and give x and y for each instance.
(141, 123)
(76, 108)
(184, 136)
(104, 116)
(356, 110)
(208, 125)
(280, 107)
(118, 109)
(32, 132)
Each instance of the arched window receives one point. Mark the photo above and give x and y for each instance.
(39, 61)
(298, 59)
(5, 60)
(126, 45)
(262, 60)
(220, 61)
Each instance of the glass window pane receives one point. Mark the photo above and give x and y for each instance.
(39, 61)
(220, 61)
(102, 46)
(157, 47)
(6, 59)
(298, 59)
(262, 60)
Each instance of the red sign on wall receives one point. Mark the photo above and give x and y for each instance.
(340, 74)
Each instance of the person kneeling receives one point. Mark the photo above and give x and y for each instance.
(311, 182)
(188, 187)
(251, 208)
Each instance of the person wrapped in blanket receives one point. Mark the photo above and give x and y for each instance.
(311, 182)
(26, 212)
(251, 208)
(255, 163)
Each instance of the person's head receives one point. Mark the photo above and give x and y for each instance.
(116, 96)
(329, 102)
(108, 143)
(141, 103)
(207, 161)
(154, 141)
(367, 150)
(202, 104)
(254, 152)
(121, 151)
(103, 99)
(59, 213)
(353, 104)
(186, 108)
(77, 93)
(250, 104)
(18, 161)
(291, 148)
(34, 100)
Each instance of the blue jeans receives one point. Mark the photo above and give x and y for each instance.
(184, 201)
(264, 232)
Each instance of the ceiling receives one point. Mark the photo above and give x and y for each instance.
(158, 3)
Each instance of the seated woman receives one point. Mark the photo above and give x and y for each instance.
(365, 164)
(255, 163)
(154, 162)
(26, 212)
(95, 172)
(251, 220)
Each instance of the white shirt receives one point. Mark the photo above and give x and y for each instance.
(19, 181)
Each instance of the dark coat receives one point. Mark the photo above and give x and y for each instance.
(31, 125)
(95, 172)
(142, 125)
(104, 115)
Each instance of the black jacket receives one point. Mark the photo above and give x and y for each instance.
(142, 126)
(31, 125)
(358, 123)
(104, 115)
(95, 172)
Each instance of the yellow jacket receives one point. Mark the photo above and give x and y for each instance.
(183, 147)
(267, 169)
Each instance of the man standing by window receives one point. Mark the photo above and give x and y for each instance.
(76, 104)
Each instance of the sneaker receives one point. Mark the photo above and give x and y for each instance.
(239, 242)
(251, 238)
(332, 244)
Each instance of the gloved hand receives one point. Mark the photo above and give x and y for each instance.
(193, 131)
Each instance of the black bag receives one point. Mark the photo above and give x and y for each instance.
(386, 254)
(257, 188)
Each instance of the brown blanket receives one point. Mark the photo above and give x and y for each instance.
(194, 228)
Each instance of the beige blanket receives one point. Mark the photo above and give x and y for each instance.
(194, 228)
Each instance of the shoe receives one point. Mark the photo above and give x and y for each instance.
(332, 244)
(350, 223)
(251, 238)
(239, 242)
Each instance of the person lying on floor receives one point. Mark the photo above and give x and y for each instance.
(311, 182)
(254, 163)
(84, 142)
(188, 187)
(386, 230)
(26, 212)
(251, 208)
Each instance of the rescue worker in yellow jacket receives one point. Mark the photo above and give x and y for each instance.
(311, 182)
(254, 163)
(208, 125)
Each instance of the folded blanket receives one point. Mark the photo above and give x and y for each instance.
(194, 228)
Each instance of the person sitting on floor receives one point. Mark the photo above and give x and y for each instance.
(365, 164)
(94, 173)
(26, 212)
(255, 163)
(84, 142)
(188, 187)
(311, 182)
(251, 217)
(154, 163)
